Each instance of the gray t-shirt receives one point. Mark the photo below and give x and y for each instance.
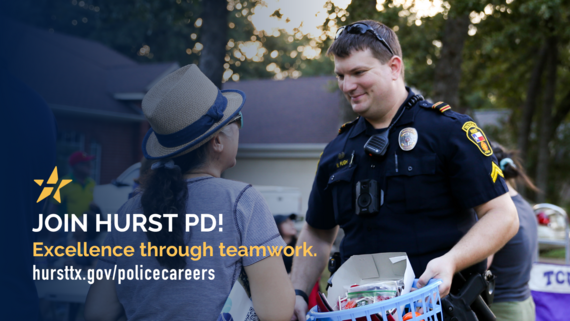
(512, 264)
(246, 221)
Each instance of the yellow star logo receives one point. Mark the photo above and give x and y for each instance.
(53, 178)
(495, 172)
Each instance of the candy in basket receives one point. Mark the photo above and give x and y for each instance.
(422, 304)
(383, 282)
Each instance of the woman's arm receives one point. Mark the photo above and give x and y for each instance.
(271, 290)
(102, 303)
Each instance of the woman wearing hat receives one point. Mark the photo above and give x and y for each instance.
(193, 139)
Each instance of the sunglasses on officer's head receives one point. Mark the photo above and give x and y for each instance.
(361, 28)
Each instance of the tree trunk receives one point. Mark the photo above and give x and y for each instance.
(562, 111)
(546, 120)
(214, 36)
(530, 102)
(448, 68)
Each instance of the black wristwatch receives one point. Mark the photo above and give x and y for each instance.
(302, 294)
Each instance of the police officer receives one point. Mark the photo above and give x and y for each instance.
(414, 195)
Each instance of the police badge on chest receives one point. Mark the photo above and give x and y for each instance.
(408, 138)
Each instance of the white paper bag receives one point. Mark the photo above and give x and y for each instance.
(238, 306)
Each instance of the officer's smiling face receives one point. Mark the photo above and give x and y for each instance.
(364, 80)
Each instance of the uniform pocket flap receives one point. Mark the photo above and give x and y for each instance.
(407, 165)
(342, 176)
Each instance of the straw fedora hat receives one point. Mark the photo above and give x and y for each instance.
(184, 110)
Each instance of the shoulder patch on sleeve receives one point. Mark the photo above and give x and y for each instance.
(346, 126)
(477, 137)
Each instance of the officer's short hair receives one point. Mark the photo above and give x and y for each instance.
(349, 42)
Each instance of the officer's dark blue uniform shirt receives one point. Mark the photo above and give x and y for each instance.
(429, 191)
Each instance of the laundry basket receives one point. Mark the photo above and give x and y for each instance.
(426, 298)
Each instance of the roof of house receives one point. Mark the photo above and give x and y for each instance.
(290, 111)
(73, 73)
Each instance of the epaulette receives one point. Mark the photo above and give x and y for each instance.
(441, 106)
(346, 126)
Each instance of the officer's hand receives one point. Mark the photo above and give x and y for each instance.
(301, 309)
(439, 268)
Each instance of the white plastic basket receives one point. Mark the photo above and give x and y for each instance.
(426, 298)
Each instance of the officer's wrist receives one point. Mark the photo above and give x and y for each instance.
(451, 260)
(302, 294)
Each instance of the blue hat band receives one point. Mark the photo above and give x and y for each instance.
(198, 128)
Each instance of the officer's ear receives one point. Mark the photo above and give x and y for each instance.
(396, 64)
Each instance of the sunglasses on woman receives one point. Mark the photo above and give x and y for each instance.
(238, 118)
(360, 28)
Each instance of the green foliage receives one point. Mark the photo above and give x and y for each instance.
(554, 254)
(144, 30)
(283, 57)
(498, 62)
(169, 30)
(287, 60)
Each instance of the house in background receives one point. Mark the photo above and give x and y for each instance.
(93, 91)
(287, 125)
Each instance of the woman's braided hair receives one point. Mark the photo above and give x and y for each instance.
(166, 192)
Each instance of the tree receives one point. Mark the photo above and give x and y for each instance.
(143, 30)
(448, 67)
(530, 101)
(516, 47)
(254, 54)
(361, 9)
(207, 33)
(214, 38)
(546, 118)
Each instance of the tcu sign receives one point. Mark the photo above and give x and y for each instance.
(550, 285)
(550, 278)
(561, 277)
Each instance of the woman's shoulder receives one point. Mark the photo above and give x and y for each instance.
(243, 192)
(220, 186)
(204, 182)
(132, 205)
